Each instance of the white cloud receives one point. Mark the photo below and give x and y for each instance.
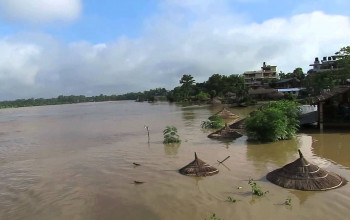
(40, 11)
(45, 67)
(16, 62)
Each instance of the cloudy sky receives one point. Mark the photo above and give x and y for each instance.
(89, 47)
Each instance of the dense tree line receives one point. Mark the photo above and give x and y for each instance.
(146, 95)
(216, 85)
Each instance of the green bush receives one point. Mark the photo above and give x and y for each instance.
(214, 122)
(170, 135)
(202, 96)
(275, 121)
(292, 111)
(289, 96)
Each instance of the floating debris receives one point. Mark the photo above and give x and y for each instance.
(138, 182)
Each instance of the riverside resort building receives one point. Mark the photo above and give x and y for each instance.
(258, 77)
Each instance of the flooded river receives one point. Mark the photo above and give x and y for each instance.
(76, 162)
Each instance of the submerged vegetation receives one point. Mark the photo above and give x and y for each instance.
(230, 199)
(274, 121)
(214, 122)
(288, 201)
(170, 135)
(256, 190)
(213, 217)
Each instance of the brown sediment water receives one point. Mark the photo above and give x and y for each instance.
(76, 162)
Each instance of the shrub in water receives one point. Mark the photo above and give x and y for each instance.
(170, 135)
(256, 189)
(214, 122)
(288, 201)
(213, 217)
(275, 121)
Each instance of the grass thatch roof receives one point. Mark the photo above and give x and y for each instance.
(198, 168)
(238, 124)
(226, 114)
(215, 101)
(226, 133)
(303, 175)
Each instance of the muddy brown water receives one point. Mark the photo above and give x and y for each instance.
(76, 162)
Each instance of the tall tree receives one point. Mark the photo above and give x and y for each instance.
(298, 73)
(344, 63)
(187, 82)
(215, 85)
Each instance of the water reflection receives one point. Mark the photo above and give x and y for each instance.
(188, 115)
(106, 206)
(303, 196)
(171, 149)
(332, 146)
(279, 153)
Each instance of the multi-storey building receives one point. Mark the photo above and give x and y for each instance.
(327, 63)
(259, 77)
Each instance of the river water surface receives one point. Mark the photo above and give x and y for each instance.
(76, 162)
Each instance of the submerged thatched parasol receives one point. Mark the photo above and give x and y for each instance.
(198, 168)
(303, 175)
(226, 114)
(226, 133)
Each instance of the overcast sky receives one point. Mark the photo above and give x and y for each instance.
(89, 47)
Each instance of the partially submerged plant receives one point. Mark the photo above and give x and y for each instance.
(275, 121)
(256, 190)
(215, 122)
(170, 135)
(230, 199)
(288, 201)
(213, 217)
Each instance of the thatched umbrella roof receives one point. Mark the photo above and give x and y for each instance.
(303, 175)
(226, 114)
(238, 124)
(215, 101)
(198, 168)
(226, 133)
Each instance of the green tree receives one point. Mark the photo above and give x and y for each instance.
(292, 111)
(215, 83)
(275, 121)
(202, 96)
(316, 82)
(187, 82)
(282, 75)
(344, 63)
(298, 73)
(236, 84)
